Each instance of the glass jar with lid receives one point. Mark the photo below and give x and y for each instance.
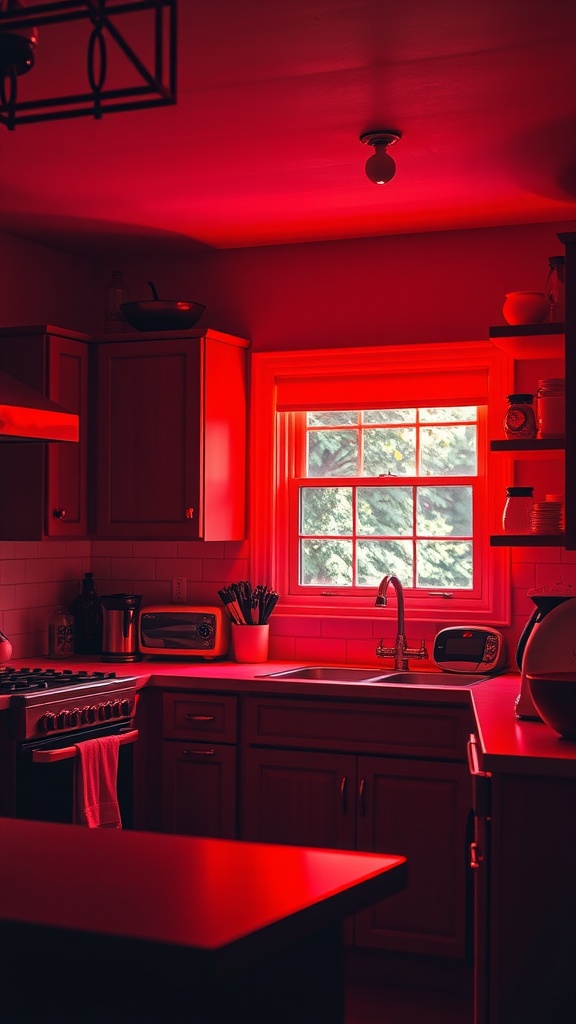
(517, 514)
(519, 418)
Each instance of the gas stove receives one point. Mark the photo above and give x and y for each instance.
(28, 680)
(46, 701)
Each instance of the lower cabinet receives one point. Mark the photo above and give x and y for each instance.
(199, 789)
(199, 777)
(416, 806)
(374, 776)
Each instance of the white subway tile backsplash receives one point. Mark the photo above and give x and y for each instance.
(35, 577)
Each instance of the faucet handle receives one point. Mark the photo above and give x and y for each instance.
(420, 653)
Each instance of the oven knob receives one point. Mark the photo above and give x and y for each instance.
(116, 709)
(48, 722)
(107, 710)
(61, 719)
(75, 717)
(126, 707)
(92, 713)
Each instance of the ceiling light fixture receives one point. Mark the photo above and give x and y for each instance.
(380, 167)
(141, 86)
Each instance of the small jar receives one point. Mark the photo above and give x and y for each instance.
(519, 418)
(60, 635)
(517, 514)
(551, 407)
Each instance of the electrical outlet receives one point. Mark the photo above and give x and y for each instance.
(179, 589)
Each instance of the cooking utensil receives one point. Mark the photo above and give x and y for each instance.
(161, 314)
(247, 606)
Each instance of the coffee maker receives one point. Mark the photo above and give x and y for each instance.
(547, 643)
(120, 627)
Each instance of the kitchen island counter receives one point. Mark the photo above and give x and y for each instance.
(204, 920)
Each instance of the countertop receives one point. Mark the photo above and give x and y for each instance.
(207, 894)
(134, 927)
(505, 743)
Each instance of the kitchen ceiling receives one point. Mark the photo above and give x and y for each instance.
(263, 145)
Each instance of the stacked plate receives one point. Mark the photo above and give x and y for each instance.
(548, 516)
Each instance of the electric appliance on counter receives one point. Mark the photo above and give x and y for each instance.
(180, 630)
(547, 643)
(120, 627)
(50, 711)
(470, 649)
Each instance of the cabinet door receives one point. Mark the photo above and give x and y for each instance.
(171, 440)
(299, 797)
(148, 442)
(420, 810)
(66, 505)
(199, 789)
(49, 492)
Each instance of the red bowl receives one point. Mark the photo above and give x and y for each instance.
(554, 696)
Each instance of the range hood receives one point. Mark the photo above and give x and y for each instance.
(27, 415)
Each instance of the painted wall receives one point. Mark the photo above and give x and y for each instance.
(426, 288)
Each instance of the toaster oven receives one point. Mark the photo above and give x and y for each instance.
(181, 630)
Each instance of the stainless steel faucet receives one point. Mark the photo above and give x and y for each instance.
(400, 652)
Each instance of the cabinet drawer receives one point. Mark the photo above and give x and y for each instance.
(401, 729)
(193, 717)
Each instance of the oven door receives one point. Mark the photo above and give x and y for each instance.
(44, 789)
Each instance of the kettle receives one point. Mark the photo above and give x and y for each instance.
(547, 642)
(120, 627)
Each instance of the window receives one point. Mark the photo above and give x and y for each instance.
(390, 490)
(374, 461)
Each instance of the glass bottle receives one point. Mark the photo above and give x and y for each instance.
(87, 612)
(517, 514)
(60, 634)
(555, 289)
(519, 419)
(116, 294)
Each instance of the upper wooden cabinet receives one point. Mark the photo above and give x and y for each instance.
(47, 482)
(171, 436)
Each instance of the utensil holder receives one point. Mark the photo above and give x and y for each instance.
(250, 643)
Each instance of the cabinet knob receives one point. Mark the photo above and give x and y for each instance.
(189, 513)
(59, 513)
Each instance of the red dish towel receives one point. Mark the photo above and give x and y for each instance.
(95, 783)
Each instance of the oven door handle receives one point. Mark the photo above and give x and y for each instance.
(65, 753)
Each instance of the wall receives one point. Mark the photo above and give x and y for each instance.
(426, 288)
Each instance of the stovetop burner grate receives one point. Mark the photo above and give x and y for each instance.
(18, 680)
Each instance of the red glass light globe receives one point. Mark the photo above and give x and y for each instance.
(380, 167)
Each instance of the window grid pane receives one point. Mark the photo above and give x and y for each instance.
(350, 535)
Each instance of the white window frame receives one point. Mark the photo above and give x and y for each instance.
(269, 490)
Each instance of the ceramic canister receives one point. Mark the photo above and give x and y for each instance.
(526, 308)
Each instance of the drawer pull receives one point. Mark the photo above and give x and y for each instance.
(198, 718)
(361, 795)
(476, 857)
(474, 760)
(200, 753)
(343, 785)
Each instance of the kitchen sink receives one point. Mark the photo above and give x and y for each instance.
(336, 674)
(330, 674)
(432, 678)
